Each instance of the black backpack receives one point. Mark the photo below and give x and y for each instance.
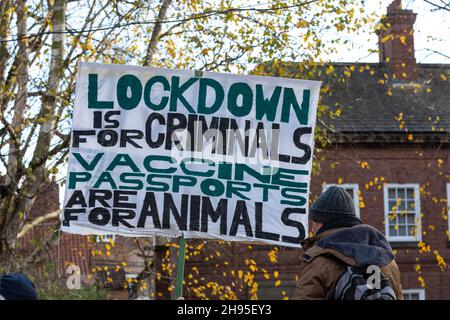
(353, 285)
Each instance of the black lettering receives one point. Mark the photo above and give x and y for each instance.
(77, 136)
(119, 218)
(112, 122)
(98, 119)
(127, 136)
(241, 218)
(148, 130)
(99, 216)
(219, 213)
(171, 209)
(149, 209)
(259, 233)
(100, 196)
(107, 138)
(194, 224)
(175, 121)
(68, 216)
(76, 199)
(302, 146)
(292, 223)
(121, 199)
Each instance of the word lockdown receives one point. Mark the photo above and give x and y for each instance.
(239, 99)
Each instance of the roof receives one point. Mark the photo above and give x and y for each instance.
(362, 98)
(367, 100)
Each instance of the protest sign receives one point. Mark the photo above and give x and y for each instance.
(207, 155)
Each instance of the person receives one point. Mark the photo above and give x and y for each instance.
(340, 240)
(17, 286)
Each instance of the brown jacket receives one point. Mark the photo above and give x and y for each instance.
(321, 268)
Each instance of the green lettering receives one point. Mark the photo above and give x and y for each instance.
(289, 99)
(147, 93)
(265, 106)
(219, 96)
(93, 102)
(129, 84)
(84, 164)
(105, 177)
(236, 90)
(75, 177)
(177, 94)
(123, 160)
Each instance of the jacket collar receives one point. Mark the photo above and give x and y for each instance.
(312, 251)
(309, 242)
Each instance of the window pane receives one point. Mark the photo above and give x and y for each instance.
(392, 205)
(411, 230)
(411, 296)
(401, 204)
(402, 218)
(391, 193)
(402, 230)
(401, 193)
(349, 191)
(414, 296)
(411, 219)
(410, 193)
(392, 231)
(411, 206)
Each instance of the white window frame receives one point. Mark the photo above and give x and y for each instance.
(355, 195)
(131, 276)
(418, 236)
(421, 292)
(105, 238)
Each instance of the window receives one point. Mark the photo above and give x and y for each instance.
(105, 238)
(132, 285)
(109, 277)
(402, 212)
(131, 279)
(353, 191)
(414, 294)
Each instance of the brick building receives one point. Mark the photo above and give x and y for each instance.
(388, 128)
(59, 250)
(108, 261)
(391, 150)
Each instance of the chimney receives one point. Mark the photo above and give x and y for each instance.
(396, 42)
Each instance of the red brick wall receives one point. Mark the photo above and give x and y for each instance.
(71, 249)
(400, 164)
(396, 164)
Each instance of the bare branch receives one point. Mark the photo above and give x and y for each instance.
(29, 226)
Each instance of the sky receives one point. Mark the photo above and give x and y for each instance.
(432, 32)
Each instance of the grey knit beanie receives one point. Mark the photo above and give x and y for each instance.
(335, 202)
